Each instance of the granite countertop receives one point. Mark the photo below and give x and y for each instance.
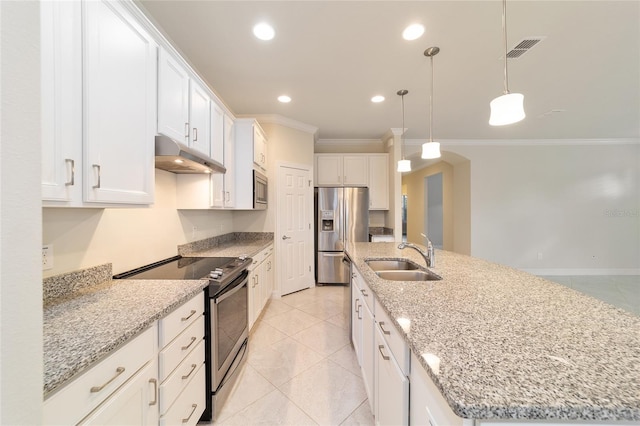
(230, 245)
(83, 328)
(504, 344)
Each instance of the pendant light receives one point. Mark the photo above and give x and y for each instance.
(508, 108)
(431, 149)
(403, 165)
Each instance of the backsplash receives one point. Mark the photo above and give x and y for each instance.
(212, 242)
(64, 285)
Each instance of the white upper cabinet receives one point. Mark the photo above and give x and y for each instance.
(173, 98)
(222, 186)
(247, 133)
(259, 148)
(371, 170)
(341, 170)
(229, 162)
(378, 181)
(98, 106)
(355, 170)
(120, 60)
(61, 88)
(199, 118)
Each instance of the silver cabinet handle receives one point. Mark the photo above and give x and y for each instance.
(381, 323)
(364, 293)
(228, 196)
(194, 406)
(73, 172)
(186, 130)
(195, 134)
(119, 371)
(97, 166)
(284, 237)
(193, 368)
(380, 347)
(155, 391)
(192, 313)
(184, 348)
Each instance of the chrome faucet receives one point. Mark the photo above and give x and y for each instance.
(428, 256)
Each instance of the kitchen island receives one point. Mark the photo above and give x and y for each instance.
(499, 343)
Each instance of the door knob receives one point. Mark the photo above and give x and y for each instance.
(284, 237)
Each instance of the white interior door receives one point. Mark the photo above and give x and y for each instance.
(294, 234)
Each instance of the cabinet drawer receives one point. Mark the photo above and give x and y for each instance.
(181, 346)
(178, 320)
(181, 377)
(190, 404)
(365, 292)
(393, 338)
(78, 398)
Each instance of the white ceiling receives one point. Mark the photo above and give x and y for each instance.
(331, 57)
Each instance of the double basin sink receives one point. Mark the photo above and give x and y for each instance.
(401, 270)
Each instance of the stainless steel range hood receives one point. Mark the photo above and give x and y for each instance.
(176, 157)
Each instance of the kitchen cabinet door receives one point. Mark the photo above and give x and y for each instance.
(61, 94)
(378, 181)
(328, 170)
(355, 170)
(199, 118)
(356, 320)
(368, 354)
(120, 68)
(229, 162)
(259, 149)
(173, 98)
(391, 387)
(136, 403)
(217, 153)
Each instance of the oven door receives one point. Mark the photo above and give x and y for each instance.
(229, 327)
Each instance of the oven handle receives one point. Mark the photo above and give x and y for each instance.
(231, 292)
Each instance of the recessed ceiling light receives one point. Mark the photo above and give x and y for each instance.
(377, 99)
(284, 99)
(264, 31)
(179, 161)
(413, 32)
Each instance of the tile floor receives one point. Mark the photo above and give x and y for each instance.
(301, 368)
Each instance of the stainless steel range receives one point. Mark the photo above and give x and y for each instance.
(226, 315)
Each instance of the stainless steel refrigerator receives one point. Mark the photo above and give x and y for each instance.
(341, 216)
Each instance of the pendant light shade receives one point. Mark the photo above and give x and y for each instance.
(431, 149)
(508, 108)
(403, 165)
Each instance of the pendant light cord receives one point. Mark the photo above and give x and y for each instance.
(504, 41)
(431, 105)
(402, 135)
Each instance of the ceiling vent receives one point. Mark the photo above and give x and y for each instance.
(523, 47)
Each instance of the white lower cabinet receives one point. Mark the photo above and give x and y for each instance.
(122, 386)
(137, 384)
(382, 354)
(260, 283)
(392, 387)
(136, 403)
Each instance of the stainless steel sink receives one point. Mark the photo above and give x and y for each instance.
(391, 265)
(408, 275)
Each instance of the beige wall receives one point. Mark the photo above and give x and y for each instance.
(416, 204)
(285, 145)
(462, 207)
(127, 237)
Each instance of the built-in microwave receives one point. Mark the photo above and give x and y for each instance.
(259, 191)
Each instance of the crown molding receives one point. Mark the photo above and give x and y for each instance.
(527, 142)
(283, 121)
(353, 142)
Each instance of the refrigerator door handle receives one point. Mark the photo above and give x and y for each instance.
(333, 254)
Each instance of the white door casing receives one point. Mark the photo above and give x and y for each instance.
(294, 236)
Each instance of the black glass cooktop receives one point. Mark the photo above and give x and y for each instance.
(182, 268)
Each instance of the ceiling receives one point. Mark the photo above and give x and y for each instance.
(331, 57)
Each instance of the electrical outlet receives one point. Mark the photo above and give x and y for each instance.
(539, 256)
(47, 257)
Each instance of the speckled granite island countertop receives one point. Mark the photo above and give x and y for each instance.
(82, 328)
(228, 245)
(512, 345)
